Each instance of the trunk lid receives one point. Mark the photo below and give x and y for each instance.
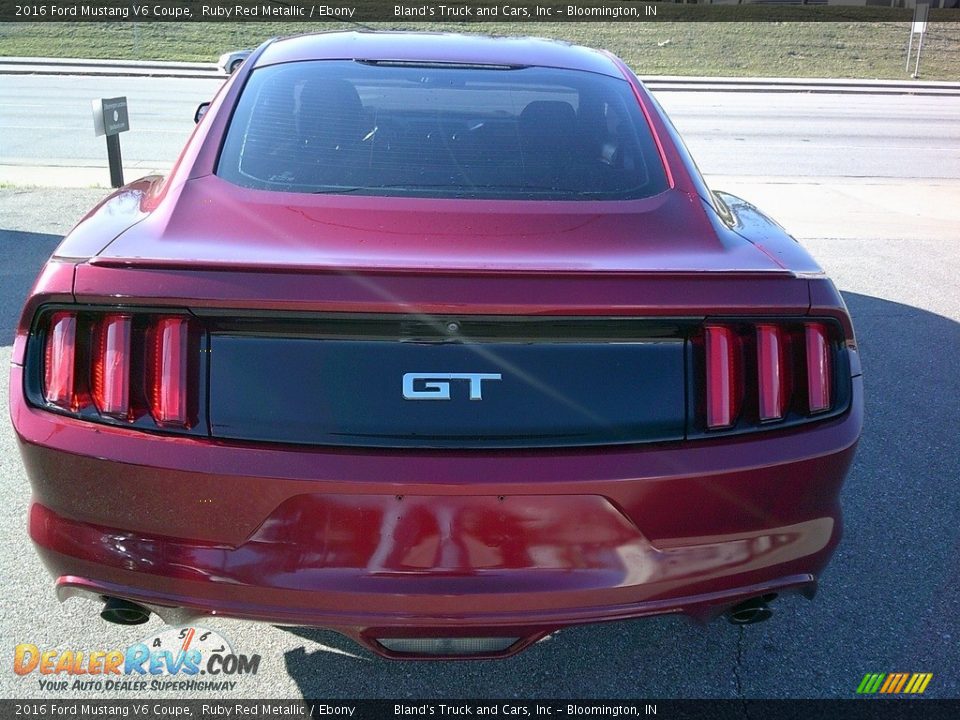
(212, 223)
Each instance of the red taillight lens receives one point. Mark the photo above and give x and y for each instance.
(59, 361)
(724, 389)
(772, 372)
(819, 370)
(167, 382)
(116, 365)
(111, 365)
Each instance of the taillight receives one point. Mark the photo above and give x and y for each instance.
(110, 384)
(766, 372)
(819, 367)
(772, 373)
(724, 389)
(125, 367)
(167, 382)
(59, 361)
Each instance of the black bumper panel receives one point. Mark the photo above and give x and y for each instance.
(445, 394)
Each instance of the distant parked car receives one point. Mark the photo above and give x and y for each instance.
(229, 62)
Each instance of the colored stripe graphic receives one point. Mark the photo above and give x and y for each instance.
(862, 688)
(901, 682)
(889, 682)
(871, 683)
(894, 683)
(921, 685)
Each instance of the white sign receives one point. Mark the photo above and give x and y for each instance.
(920, 18)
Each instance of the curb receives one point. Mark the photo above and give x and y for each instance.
(67, 176)
(93, 62)
(119, 72)
(111, 68)
(677, 83)
(707, 86)
(802, 85)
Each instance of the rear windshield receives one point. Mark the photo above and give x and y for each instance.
(440, 131)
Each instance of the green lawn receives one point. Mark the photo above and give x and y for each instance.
(776, 49)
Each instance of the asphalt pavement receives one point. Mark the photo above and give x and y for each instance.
(882, 217)
(46, 121)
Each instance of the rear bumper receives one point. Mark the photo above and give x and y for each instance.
(433, 543)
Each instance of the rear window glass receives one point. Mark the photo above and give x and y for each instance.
(440, 131)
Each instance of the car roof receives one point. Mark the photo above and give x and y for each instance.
(437, 48)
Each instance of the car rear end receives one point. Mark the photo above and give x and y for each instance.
(444, 426)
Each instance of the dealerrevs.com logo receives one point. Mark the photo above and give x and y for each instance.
(174, 659)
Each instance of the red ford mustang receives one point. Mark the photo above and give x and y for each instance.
(439, 341)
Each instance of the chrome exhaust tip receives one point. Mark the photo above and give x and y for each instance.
(751, 611)
(124, 612)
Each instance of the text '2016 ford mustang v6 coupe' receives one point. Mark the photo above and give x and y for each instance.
(439, 341)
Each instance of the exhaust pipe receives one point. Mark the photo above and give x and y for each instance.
(751, 611)
(124, 612)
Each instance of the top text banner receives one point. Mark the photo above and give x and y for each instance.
(479, 11)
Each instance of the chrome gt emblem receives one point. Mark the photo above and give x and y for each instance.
(436, 386)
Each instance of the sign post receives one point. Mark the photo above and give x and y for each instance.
(919, 25)
(110, 118)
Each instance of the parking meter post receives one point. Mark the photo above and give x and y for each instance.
(110, 118)
(919, 25)
(916, 68)
(115, 161)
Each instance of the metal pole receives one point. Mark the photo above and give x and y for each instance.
(116, 164)
(906, 67)
(916, 69)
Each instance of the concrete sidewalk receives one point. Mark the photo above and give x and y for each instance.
(846, 206)
(157, 68)
(75, 176)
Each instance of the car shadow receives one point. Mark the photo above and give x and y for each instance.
(888, 601)
(30, 251)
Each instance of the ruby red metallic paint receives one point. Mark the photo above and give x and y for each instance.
(380, 542)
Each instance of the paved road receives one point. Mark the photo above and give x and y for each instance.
(46, 120)
(888, 602)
